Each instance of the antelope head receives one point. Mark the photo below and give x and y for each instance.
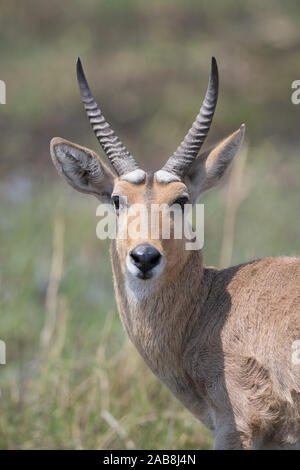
(181, 180)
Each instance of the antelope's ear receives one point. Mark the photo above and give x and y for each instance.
(82, 168)
(209, 168)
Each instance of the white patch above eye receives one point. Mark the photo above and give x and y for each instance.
(164, 177)
(136, 176)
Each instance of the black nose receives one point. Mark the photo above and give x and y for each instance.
(145, 257)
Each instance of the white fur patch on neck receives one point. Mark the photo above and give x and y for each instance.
(164, 177)
(136, 176)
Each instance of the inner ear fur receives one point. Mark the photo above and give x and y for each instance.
(82, 168)
(210, 167)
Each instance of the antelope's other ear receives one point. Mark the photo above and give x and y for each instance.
(82, 168)
(209, 168)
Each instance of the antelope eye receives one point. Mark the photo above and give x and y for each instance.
(116, 202)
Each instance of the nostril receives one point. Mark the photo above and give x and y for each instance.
(145, 257)
(154, 260)
(135, 256)
(137, 259)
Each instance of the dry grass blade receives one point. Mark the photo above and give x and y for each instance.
(234, 197)
(118, 429)
(54, 282)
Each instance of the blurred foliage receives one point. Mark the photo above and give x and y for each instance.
(148, 65)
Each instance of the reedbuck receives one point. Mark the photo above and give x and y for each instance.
(222, 341)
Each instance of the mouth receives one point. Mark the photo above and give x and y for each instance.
(144, 276)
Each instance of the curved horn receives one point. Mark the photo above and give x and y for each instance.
(188, 150)
(121, 160)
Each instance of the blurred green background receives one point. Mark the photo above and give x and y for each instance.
(72, 380)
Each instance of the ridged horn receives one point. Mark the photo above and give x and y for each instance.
(120, 158)
(188, 150)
